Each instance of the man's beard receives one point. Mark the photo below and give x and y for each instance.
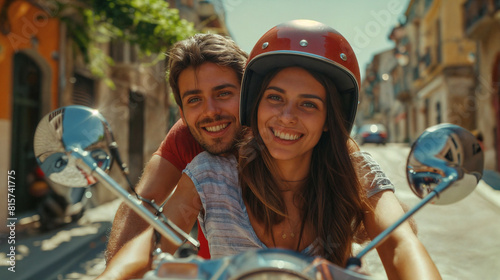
(217, 147)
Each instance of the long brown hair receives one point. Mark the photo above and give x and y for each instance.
(332, 196)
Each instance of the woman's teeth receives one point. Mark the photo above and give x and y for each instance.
(286, 136)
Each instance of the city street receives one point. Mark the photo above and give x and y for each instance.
(396, 67)
(74, 251)
(461, 238)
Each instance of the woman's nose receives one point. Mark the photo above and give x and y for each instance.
(288, 114)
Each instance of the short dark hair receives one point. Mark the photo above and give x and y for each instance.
(199, 49)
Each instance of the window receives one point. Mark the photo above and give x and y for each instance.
(136, 135)
(438, 113)
(83, 91)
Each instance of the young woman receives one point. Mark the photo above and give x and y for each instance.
(297, 185)
(296, 182)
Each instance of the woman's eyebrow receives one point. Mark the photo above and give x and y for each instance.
(303, 95)
(280, 90)
(308, 95)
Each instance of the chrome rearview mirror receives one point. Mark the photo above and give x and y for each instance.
(445, 153)
(74, 147)
(444, 166)
(69, 129)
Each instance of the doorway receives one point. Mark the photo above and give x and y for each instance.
(136, 135)
(26, 113)
(496, 100)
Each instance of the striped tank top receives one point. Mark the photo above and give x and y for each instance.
(224, 219)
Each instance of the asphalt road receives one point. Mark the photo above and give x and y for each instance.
(462, 238)
(74, 251)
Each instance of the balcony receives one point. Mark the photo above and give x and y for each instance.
(416, 73)
(496, 6)
(205, 9)
(401, 92)
(477, 17)
(426, 59)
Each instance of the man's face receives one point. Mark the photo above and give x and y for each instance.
(210, 96)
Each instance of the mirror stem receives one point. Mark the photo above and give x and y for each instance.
(91, 168)
(356, 261)
(113, 148)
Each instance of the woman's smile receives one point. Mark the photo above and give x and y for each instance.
(284, 135)
(292, 114)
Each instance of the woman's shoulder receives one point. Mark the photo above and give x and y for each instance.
(215, 169)
(215, 178)
(370, 174)
(210, 161)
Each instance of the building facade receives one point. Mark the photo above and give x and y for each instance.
(445, 84)
(40, 71)
(433, 78)
(447, 70)
(482, 24)
(30, 52)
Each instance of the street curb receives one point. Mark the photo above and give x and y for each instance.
(488, 193)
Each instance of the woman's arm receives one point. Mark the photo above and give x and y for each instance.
(402, 254)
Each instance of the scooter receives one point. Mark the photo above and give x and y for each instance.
(74, 146)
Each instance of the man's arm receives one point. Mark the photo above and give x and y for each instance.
(134, 258)
(157, 182)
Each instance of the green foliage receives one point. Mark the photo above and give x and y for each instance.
(149, 24)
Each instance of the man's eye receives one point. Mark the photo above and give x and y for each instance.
(225, 93)
(193, 99)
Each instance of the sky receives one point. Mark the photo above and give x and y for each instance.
(366, 24)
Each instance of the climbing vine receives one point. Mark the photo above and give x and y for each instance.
(150, 24)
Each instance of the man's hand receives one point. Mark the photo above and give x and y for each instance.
(133, 260)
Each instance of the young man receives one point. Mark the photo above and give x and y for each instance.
(205, 74)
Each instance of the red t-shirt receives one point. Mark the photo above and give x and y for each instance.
(179, 147)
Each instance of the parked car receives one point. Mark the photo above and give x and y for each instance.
(372, 133)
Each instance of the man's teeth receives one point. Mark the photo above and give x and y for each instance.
(286, 136)
(216, 128)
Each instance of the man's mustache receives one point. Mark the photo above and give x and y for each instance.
(216, 119)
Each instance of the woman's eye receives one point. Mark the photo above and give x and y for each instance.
(274, 97)
(309, 105)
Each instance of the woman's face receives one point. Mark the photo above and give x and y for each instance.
(292, 114)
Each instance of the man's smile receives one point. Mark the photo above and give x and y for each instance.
(216, 128)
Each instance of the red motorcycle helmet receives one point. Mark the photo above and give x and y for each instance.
(308, 44)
